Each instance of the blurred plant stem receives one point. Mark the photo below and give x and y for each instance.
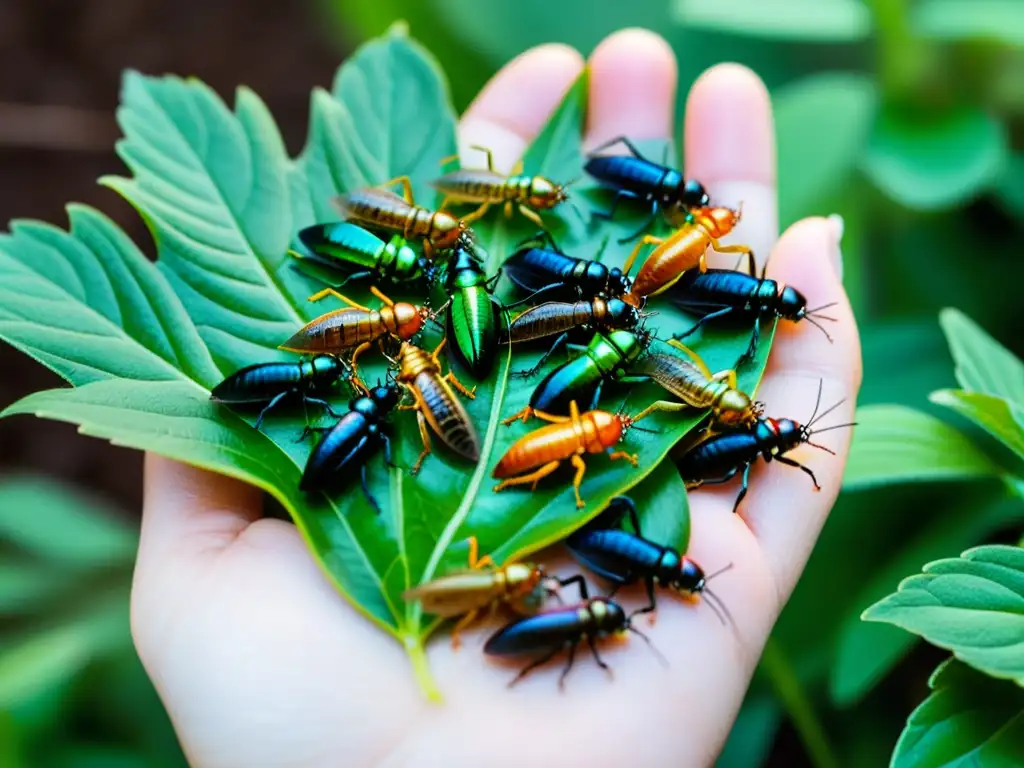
(797, 703)
(901, 58)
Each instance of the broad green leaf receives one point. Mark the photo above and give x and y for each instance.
(999, 20)
(968, 720)
(935, 162)
(32, 663)
(840, 106)
(664, 509)
(893, 443)
(388, 115)
(1010, 185)
(973, 605)
(867, 651)
(25, 583)
(812, 21)
(223, 202)
(44, 519)
(983, 365)
(1003, 420)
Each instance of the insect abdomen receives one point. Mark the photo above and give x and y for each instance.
(680, 377)
(447, 416)
(345, 445)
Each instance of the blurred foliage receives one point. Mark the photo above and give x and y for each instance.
(72, 691)
(907, 118)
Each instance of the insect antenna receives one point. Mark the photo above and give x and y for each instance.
(720, 610)
(835, 426)
(657, 654)
(814, 420)
(822, 447)
(816, 310)
(820, 327)
(817, 402)
(719, 572)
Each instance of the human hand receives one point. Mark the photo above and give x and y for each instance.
(261, 663)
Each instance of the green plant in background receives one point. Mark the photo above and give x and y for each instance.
(920, 101)
(72, 692)
(143, 344)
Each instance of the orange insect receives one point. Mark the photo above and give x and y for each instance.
(356, 326)
(382, 209)
(520, 586)
(566, 438)
(684, 249)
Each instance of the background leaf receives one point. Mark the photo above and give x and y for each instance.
(893, 443)
(972, 605)
(982, 364)
(999, 20)
(838, 105)
(1005, 422)
(937, 161)
(969, 719)
(807, 20)
(867, 651)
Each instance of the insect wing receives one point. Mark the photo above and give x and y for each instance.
(454, 594)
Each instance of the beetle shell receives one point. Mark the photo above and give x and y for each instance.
(598, 617)
(261, 383)
(345, 447)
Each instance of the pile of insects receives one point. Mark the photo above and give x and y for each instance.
(571, 302)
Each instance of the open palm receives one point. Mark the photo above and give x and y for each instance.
(261, 663)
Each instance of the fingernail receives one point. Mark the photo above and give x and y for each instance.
(836, 254)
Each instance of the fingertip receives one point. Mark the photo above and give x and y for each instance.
(632, 87)
(517, 102)
(730, 131)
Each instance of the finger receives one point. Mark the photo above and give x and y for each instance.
(188, 511)
(515, 104)
(730, 147)
(633, 78)
(783, 509)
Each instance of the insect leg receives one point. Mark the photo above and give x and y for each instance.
(533, 665)
(647, 240)
(706, 319)
(744, 249)
(610, 213)
(580, 583)
(528, 372)
(743, 488)
(406, 187)
(597, 656)
(474, 215)
(366, 490)
(629, 145)
(354, 276)
(355, 369)
(488, 153)
(331, 292)
(532, 215)
(534, 477)
(651, 606)
(323, 404)
(791, 463)
(644, 226)
(755, 336)
(308, 430)
(581, 470)
(387, 450)
(424, 437)
(474, 550)
(728, 376)
(661, 406)
(462, 624)
(470, 393)
(568, 666)
(632, 458)
(276, 401)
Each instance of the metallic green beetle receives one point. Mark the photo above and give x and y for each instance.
(350, 249)
(474, 315)
(608, 357)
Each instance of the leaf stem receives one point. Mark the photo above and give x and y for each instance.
(421, 668)
(797, 704)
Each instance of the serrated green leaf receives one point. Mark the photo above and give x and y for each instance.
(41, 518)
(813, 21)
(968, 720)
(838, 105)
(867, 651)
(999, 20)
(1003, 420)
(972, 605)
(893, 443)
(935, 162)
(223, 202)
(982, 364)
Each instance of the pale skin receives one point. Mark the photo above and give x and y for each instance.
(261, 663)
